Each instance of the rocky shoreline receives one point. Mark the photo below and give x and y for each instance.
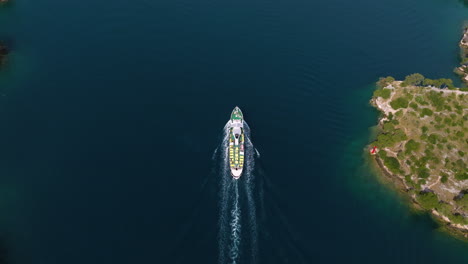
(384, 102)
(460, 231)
(398, 182)
(462, 70)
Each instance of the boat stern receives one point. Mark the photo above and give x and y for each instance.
(236, 173)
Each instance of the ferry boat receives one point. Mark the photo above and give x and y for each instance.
(236, 143)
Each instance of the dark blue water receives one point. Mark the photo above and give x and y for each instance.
(111, 112)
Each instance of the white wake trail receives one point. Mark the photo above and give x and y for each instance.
(230, 221)
(224, 196)
(235, 227)
(249, 187)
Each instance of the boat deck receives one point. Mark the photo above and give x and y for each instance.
(236, 152)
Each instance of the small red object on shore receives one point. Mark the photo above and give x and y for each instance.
(373, 151)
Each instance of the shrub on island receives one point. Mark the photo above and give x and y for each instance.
(384, 93)
(461, 176)
(428, 200)
(444, 178)
(462, 199)
(439, 83)
(423, 172)
(437, 100)
(411, 146)
(398, 103)
(415, 79)
(384, 82)
(391, 163)
(426, 112)
(433, 138)
(390, 138)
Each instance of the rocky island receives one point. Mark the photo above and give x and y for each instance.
(422, 144)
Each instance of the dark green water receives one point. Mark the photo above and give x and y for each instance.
(111, 111)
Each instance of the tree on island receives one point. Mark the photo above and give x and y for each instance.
(439, 83)
(384, 93)
(415, 79)
(399, 102)
(428, 200)
(383, 82)
(411, 146)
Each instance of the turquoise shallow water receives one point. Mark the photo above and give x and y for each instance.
(111, 112)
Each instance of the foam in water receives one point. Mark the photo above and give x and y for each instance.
(224, 198)
(231, 215)
(249, 187)
(235, 227)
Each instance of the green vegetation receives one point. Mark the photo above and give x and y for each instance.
(391, 138)
(463, 201)
(457, 219)
(390, 162)
(414, 79)
(398, 103)
(411, 145)
(439, 83)
(413, 105)
(417, 79)
(420, 100)
(384, 93)
(461, 176)
(436, 99)
(444, 177)
(423, 140)
(426, 112)
(423, 172)
(384, 82)
(428, 200)
(432, 139)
